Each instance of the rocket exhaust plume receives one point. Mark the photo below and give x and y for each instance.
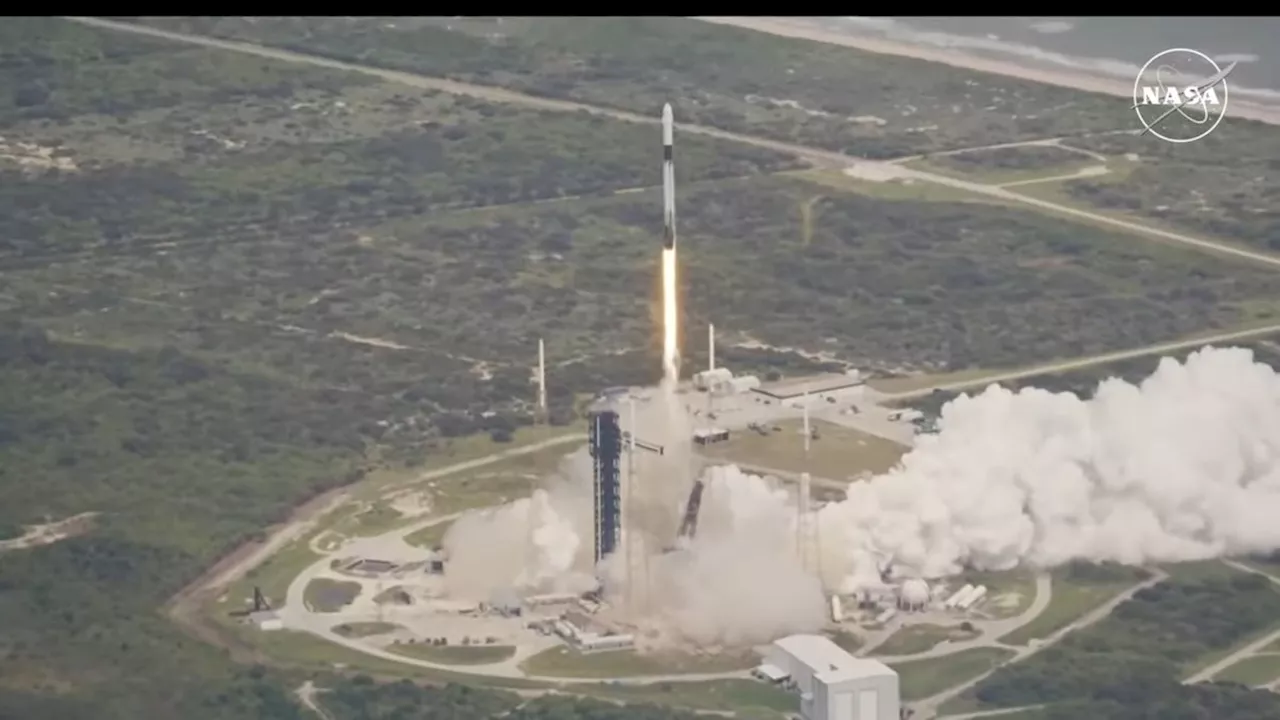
(670, 311)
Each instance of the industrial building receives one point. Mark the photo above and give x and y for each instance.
(832, 684)
(708, 436)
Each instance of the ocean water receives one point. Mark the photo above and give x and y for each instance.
(1112, 46)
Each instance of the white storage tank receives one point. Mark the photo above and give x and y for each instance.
(914, 594)
(973, 597)
(958, 596)
(745, 384)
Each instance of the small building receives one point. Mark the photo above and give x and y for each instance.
(591, 642)
(833, 685)
(707, 380)
(708, 436)
(266, 620)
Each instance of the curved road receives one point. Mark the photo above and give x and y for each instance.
(928, 707)
(296, 616)
(824, 158)
(1249, 650)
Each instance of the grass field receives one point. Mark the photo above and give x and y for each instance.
(846, 640)
(1008, 593)
(914, 639)
(1011, 164)
(324, 595)
(1252, 671)
(919, 679)
(746, 698)
(563, 662)
(1071, 599)
(839, 453)
(454, 654)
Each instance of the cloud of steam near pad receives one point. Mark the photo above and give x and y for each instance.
(1184, 465)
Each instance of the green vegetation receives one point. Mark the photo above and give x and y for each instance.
(361, 699)
(1252, 671)
(183, 460)
(744, 81)
(455, 654)
(919, 679)
(323, 595)
(1077, 589)
(914, 639)
(780, 88)
(364, 629)
(838, 453)
(564, 662)
(1133, 659)
(1222, 186)
(747, 698)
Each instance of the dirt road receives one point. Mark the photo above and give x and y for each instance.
(819, 157)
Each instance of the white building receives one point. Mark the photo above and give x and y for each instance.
(710, 436)
(833, 684)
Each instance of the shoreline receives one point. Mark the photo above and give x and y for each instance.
(787, 27)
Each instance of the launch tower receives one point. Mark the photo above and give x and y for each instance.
(606, 456)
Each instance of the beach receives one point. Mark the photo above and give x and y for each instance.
(809, 29)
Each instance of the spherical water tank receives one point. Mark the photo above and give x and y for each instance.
(915, 592)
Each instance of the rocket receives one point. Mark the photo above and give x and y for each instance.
(668, 180)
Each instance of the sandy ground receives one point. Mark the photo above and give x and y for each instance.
(50, 532)
(792, 27)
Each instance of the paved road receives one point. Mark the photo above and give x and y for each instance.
(992, 713)
(822, 158)
(297, 616)
(928, 708)
(1092, 361)
(1249, 650)
(1084, 172)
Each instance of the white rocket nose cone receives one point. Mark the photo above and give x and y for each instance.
(666, 112)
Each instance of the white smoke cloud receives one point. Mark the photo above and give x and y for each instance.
(534, 544)
(739, 582)
(1184, 466)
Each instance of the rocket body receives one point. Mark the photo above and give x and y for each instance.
(668, 180)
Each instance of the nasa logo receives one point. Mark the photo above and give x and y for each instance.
(1180, 95)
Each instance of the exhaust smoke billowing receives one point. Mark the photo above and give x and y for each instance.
(1183, 466)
